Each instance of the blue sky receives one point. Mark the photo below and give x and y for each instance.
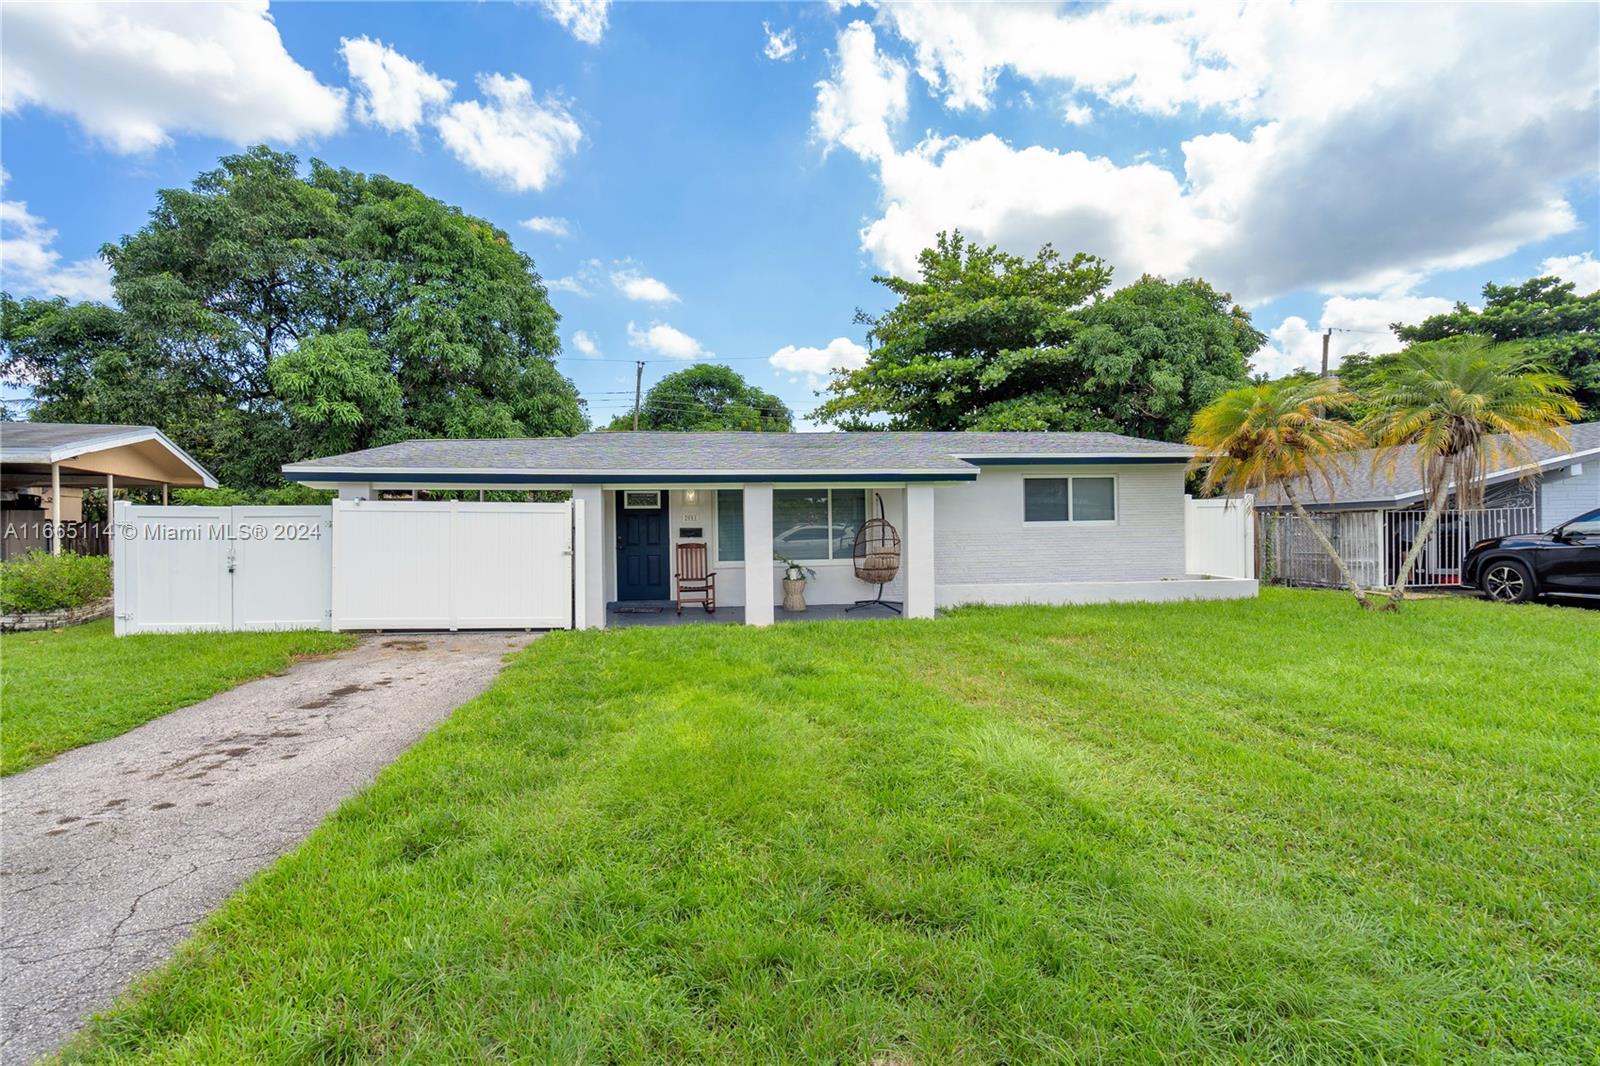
(726, 178)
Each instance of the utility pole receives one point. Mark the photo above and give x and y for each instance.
(638, 381)
(1326, 337)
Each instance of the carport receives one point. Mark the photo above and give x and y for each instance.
(67, 456)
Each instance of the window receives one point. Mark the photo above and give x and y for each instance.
(816, 524)
(635, 500)
(730, 525)
(1585, 525)
(1044, 499)
(1094, 499)
(1069, 499)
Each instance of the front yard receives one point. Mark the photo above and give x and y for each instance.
(64, 688)
(1268, 830)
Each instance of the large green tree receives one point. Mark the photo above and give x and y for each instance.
(1559, 328)
(706, 396)
(266, 316)
(984, 339)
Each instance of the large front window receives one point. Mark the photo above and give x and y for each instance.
(816, 525)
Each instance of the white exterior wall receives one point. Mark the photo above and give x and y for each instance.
(1570, 492)
(982, 538)
(986, 553)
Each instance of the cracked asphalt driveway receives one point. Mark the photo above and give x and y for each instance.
(111, 853)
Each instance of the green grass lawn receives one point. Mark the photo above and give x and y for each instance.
(64, 688)
(1277, 830)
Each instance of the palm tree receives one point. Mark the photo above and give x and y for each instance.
(1465, 406)
(1278, 433)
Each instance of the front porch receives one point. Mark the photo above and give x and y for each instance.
(632, 535)
(663, 614)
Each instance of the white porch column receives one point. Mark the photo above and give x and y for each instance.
(593, 498)
(758, 555)
(355, 492)
(918, 547)
(55, 508)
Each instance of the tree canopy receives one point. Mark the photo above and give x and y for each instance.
(267, 316)
(1560, 330)
(985, 339)
(706, 396)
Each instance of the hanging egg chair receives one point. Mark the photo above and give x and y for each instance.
(877, 557)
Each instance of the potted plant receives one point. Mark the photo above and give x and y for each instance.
(794, 583)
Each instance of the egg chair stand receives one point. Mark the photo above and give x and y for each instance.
(877, 559)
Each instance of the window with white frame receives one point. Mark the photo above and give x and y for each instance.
(1069, 499)
(730, 525)
(816, 525)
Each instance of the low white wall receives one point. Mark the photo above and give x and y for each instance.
(1082, 592)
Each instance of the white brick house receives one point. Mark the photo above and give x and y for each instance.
(983, 517)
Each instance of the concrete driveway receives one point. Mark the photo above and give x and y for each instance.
(111, 853)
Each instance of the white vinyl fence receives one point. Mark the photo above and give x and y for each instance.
(1219, 537)
(180, 569)
(452, 565)
(355, 565)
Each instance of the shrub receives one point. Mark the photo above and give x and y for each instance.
(39, 581)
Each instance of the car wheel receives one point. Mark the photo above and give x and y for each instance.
(1508, 581)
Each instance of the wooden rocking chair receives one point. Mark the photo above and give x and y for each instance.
(694, 584)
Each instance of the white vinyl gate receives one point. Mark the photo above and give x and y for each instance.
(179, 569)
(355, 565)
(1219, 536)
(451, 565)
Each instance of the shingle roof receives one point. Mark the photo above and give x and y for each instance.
(1362, 485)
(737, 453)
(44, 442)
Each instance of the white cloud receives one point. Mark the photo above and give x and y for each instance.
(1376, 147)
(1582, 270)
(841, 353)
(568, 283)
(1153, 57)
(29, 265)
(132, 75)
(584, 19)
(1359, 325)
(637, 286)
(665, 340)
(780, 44)
(586, 345)
(512, 138)
(392, 91)
(1075, 114)
(548, 225)
(866, 98)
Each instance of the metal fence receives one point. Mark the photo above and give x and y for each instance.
(1439, 564)
(1292, 554)
(1375, 543)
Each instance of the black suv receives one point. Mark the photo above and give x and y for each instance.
(1564, 561)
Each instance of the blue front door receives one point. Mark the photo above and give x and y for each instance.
(641, 548)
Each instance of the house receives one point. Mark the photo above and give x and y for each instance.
(983, 517)
(1373, 515)
(45, 466)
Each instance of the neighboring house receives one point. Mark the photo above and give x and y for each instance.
(984, 517)
(1373, 515)
(45, 466)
